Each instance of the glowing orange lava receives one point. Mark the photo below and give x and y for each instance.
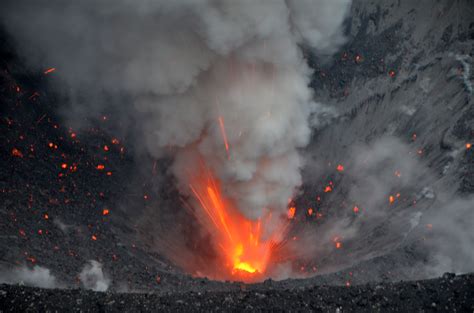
(391, 199)
(49, 70)
(237, 239)
(17, 153)
(224, 135)
(291, 212)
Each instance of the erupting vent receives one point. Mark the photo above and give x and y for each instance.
(245, 246)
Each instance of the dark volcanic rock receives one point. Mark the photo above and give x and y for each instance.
(448, 294)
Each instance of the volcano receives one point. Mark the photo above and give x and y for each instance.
(285, 155)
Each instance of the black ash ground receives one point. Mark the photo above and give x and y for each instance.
(447, 294)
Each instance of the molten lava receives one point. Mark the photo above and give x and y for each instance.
(224, 135)
(237, 239)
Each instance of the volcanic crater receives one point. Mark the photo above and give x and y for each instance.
(383, 211)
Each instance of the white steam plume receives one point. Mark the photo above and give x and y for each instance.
(92, 277)
(36, 277)
(188, 63)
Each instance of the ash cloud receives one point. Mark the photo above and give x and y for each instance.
(38, 276)
(429, 213)
(452, 241)
(185, 64)
(93, 277)
(372, 173)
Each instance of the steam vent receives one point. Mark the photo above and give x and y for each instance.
(236, 155)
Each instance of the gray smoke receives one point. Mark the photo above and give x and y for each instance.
(426, 212)
(92, 277)
(38, 276)
(186, 64)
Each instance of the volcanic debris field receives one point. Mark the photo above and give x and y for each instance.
(400, 85)
(448, 294)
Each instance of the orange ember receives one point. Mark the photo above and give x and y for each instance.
(328, 189)
(291, 212)
(391, 199)
(100, 167)
(49, 70)
(105, 212)
(340, 168)
(224, 135)
(468, 145)
(238, 240)
(17, 153)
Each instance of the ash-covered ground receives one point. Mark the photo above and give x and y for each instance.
(88, 208)
(447, 294)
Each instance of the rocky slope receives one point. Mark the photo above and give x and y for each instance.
(448, 294)
(398, 116)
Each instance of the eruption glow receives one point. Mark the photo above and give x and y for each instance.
(202, 76)
(242, 242)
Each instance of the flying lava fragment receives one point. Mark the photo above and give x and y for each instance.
(49, 70)
(224, 135)
(17, 153)
(291, 212)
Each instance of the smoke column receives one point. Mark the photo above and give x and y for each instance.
(198, 71)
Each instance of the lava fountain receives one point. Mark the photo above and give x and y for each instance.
(245, 245)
